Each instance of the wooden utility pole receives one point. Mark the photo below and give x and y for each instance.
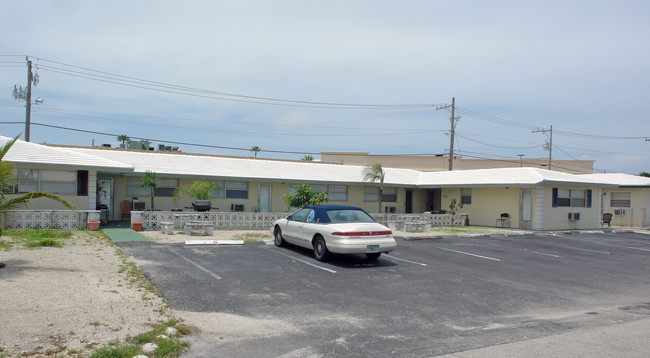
(28, 99)
(550, 143)
(453, 120)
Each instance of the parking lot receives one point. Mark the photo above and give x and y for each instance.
(430, 297)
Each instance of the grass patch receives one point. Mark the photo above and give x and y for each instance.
(253, 237)
(170, 347)
(35, 238)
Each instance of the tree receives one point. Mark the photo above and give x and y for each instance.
(199, 190)
(308, 158)
(6, 204)
(123, 138)
(256, 149)
(454, 205)
(149, 180)
(645, 174)
(305, 195)
(375, 173)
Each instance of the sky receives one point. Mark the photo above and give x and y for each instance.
(297, 78)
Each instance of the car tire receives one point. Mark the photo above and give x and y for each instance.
(278, 239)
(320, 249)
(373, 255)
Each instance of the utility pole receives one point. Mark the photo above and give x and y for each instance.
(28, 111)
(549, 145)
(453, 121)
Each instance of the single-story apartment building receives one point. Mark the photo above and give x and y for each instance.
(629, 201)
(533, 198)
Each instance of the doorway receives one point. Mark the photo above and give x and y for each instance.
(433, 200)
(409, 202)
(105, 197)
(264, 199)
(526, 209)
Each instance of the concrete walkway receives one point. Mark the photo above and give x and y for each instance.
(120, 231)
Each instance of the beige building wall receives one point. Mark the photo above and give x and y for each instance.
(558, 218)
(441, 163)
(636, 215)
(487, 204)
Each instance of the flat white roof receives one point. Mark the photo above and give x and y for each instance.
(165, 164)
(621, 179)
(38, 155)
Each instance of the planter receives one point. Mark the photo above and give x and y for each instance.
(93, 225)
(137, 226)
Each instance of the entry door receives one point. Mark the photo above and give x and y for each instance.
(105, 194)
(526, 209)
(409, 202)
(264, 200)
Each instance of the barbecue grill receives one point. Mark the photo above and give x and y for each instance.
(201, 205)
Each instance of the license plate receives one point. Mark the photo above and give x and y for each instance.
(372, 248)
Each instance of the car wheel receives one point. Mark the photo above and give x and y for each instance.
(373, 256)
(277, 236)
(320, 249)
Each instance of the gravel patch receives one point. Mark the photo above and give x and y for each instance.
(67, 301)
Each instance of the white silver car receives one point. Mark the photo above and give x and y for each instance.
(334, 229)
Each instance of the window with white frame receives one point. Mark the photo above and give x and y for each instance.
(50, 181)
(236, 189)
(371, 194)
(621, 199)
(166, 187)
(466, 196)
(571, 198)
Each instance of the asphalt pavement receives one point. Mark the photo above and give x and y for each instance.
(537, 295)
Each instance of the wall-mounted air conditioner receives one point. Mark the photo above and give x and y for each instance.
(574, 216)
(237, 207)
(619, 212)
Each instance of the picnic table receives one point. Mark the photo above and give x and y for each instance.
(188, 222)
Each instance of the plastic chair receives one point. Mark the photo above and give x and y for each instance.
(125, 207)
(503, 220)
(607, 219)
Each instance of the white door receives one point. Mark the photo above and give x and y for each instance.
(526, 209)
(105, 194)
(264, 200)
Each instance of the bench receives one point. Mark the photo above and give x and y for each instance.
(190, 226)
(420, 226)
(167, 227)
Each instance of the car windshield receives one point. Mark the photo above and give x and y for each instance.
(348, 215)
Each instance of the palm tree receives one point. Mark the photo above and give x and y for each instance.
(149, 180)
(123, 138)
(256, 149)
(373, 174)
(308, 158)
(6, 204)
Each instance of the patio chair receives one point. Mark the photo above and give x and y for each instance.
(125, 207)
(504, 219)
(607, 219)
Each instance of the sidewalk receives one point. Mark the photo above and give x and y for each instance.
(629, 339)
(120, 231)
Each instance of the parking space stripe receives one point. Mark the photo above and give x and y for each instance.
(409, 261)
(195, 264)
(299, 260)
(533, 251)
(468, 254)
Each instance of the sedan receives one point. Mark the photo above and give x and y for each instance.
(334, 229)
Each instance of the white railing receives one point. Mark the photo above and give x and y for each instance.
(433, 219)
(49, 219)
(220, 220)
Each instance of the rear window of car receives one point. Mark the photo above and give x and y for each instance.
(346, 215)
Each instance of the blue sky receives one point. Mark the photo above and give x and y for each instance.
(582, 67)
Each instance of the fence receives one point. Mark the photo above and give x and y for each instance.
(77, 219)
(48, 219)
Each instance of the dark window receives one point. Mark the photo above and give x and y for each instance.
(82, 182)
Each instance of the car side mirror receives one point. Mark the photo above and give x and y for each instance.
(289, 217)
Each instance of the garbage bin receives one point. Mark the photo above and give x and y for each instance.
(103, 213)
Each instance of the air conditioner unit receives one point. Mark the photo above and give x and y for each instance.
(574, 216)
(237, 207)
(392, 209)
(619, 212)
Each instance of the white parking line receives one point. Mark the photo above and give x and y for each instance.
(468, 254)
(409, 261)
(297, 259)
(614, 245)
(533, 251)
(195, 264)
